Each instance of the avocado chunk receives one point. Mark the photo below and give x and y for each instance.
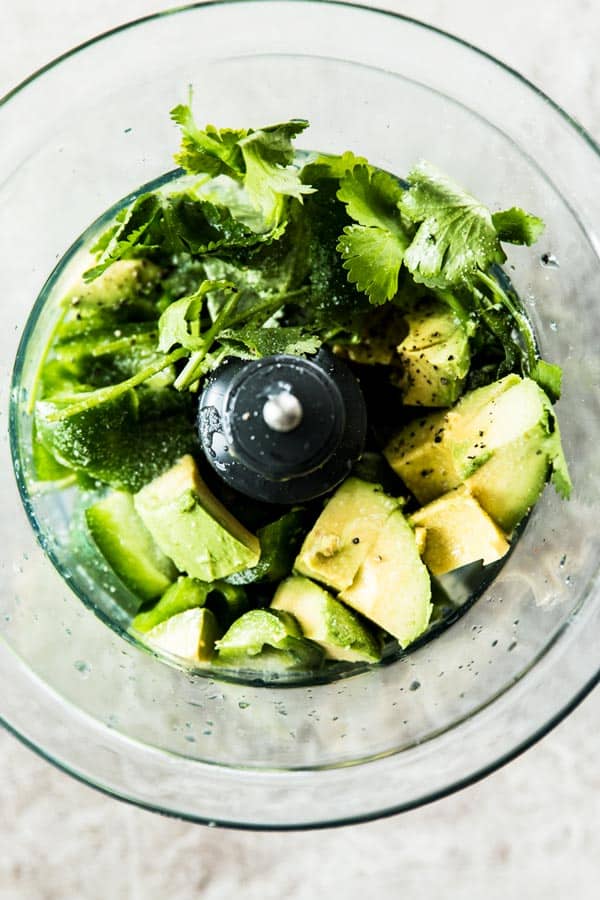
(434, 357)
(279, 543)
(341, 537)
(270, 636)
(382, 332)
(123, 293)
(226, 601)
(128, 547)
(186, 593)
(424, 453)
(192, 527)
(392, 586)
(326, 621)
(458, 532)
(502, 440)
(190, 634)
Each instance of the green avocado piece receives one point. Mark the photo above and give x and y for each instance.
(192, 527)
(502, 440)
(326, 621)
(434, 357)
(127, 545)
(124, 442)
(425, 453)
(458, 532)
(185, 593)
(268, 639)
(279, 544)
(341, 537)
(190, 634)
(123, 293)
(226, 601)
(392, 586)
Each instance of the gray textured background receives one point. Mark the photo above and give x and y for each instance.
(530, 830)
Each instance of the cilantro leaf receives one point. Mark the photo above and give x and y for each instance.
(180, 322)
(126, 233)
(329, 165)
(374, 249)
(269, 177)
(211, 151)
(371, 197)
(260, 159)
(455, 234)
(259, 341)
(372, 257)
(515, 226)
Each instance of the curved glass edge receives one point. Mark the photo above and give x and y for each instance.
(176, 10)
(461, 784)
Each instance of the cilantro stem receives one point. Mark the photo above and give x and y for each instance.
(269, 306)
(107, 394)
(520, 319)
(188, 375)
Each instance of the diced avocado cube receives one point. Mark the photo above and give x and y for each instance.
(384, 330)
(190, 634)
(270, 636)
(502, 440)
(192, 527)
(343, 534)
(326, 621)
(258, 627)
(121, 294)
(458, 532)
(425, 454)
(128, 547)
(434, 357)
(186, 593)
(279, 544)
(392, 586)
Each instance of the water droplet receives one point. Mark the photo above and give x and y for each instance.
(563, 560)
(549, 260)
(568, 581)
(512, 646)
(190, 738)
(243, 705)
(414, 686)
(7, 618)
(82, 667)
(553, 326)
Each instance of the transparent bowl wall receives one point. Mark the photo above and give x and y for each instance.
(89, 130)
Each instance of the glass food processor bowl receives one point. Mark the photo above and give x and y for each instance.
(89, 129)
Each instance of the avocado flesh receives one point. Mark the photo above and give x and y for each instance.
(326, 621)
(392, 586)
(192, 527)
(434, 357)
(128, 547)
(186, 593)
(341, 537)
(425, 454)
(267, 639)
(121, 294)
(458, 532)
(190, 634)
(501, 440)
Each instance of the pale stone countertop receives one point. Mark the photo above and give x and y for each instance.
(530, 830)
